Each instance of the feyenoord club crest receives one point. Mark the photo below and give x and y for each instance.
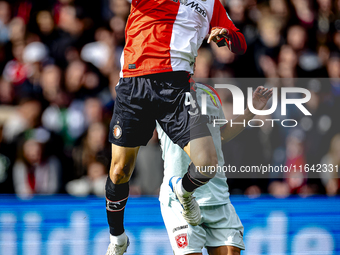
(182, 240)
(117, 131)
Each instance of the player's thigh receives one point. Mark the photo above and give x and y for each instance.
(133, 120)
(182, 120)
(224, 250)
(131, 126)
(122, 163)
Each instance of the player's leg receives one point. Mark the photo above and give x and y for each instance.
(202, 152)
(203, 155)
(198, 144)
(117, 192)
(183, 124)
(122, 163)
(131, 126)
(117, 186)
(224, 250)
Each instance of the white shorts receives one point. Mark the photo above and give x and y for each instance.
(220, 226)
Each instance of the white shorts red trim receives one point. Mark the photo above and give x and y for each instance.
(220, 226)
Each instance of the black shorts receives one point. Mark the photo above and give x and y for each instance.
(163, 97)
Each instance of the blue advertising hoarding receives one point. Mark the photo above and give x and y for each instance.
(63, 225)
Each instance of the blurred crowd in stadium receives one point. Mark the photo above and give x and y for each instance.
(59, 64)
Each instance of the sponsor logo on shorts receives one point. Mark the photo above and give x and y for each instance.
(117, 131)
(179, 228)
(182, 241)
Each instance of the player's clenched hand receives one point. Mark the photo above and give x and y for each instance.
(217, 33)
(261, 96)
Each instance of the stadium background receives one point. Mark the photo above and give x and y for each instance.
(59, 64)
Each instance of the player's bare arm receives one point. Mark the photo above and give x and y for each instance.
(260, 98)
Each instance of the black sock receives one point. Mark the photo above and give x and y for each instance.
(193, 179)
(116, 198)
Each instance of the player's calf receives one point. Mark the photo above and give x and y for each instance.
(116, 198)
(194, 178)
(204, 161)
(203, 154)
(117, 192)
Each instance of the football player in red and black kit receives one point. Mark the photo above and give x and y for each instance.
(162, 40)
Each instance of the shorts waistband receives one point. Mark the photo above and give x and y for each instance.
(175, 75)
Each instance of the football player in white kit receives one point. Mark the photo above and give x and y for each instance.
(220, 229)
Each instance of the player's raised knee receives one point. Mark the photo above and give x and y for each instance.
(120, 173)
(206, 164)
(203, 153)
(209, 159)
